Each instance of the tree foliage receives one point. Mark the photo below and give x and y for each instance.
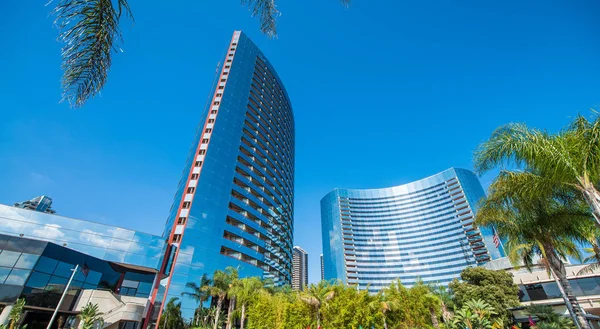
(493, 287)
(90, 33)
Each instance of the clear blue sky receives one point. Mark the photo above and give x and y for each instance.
(384, 93)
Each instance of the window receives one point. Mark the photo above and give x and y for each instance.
(219, 95)
(213, 112)
(229, 61)
(227, 66)
(17, 277)
(181, 220)
(223, 80)
(225, 73)
(45, 264)
(26, 261)
(191, 189)
(216, 103)
(186, 205)
(177, 238)
(230, 55)
(9, 258)
(201, 152)
(208, 130)
(211, 120)
(198, 164)
(221, 87)
(195, 176)
(204, 140)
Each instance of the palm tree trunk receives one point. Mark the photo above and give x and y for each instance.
(384, 322)
(230, 312)
(592, 197)
(557, 268)
(318, 317)
(243, 316)
(434, 319)
(219, 304)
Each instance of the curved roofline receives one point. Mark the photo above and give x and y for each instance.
(405, 185)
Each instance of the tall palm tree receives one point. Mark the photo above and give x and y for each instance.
(244, 291)
(199, 293)
(222, 281)
(384, 303)
(545, 228)
(89, 30)
(568, 161)
(317, 295)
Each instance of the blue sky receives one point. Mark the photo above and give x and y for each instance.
(384, 92)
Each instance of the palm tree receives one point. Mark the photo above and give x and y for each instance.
(222, 281)
(568, 161)
(545, 228)
(384, 303)
(244, 291)
(317, 296)
(90, 316)
(89, 30)
(199, 293)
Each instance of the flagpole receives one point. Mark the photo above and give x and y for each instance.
(62, 297)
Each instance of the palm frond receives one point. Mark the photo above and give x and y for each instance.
(267, 12)
(88, 30)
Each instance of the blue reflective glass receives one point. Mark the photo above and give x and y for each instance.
(64, 270)
(26, 261)
(38, 280)
(9, 258)
(4, 271)
(17, 277)
(93, 277)
(56, 283)
(46, 265)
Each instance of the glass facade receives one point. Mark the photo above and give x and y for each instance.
(234, 202)
(419, 231)
(589, 286)
(102, 241)
(39, 271)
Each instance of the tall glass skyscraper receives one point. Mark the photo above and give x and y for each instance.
(418, 231)
(234, 203)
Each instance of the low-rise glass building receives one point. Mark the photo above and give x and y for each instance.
(105, 242)
(39, 271)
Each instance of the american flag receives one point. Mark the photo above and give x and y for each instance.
(496, 238)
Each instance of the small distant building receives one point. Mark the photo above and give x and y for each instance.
(300, 268)
(39, 203)
(322, 269)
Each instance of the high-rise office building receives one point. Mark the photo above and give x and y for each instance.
(322, 269)
(418, 231)
(234, 203)
(300, 269)
(39, 203)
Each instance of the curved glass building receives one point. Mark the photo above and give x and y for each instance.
(234, 202)
(418, 231)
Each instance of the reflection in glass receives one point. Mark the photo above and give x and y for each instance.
(9, 258)
(38, 280)
(46, 265)
(26, 261)
(4, 271)
(17, 277)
